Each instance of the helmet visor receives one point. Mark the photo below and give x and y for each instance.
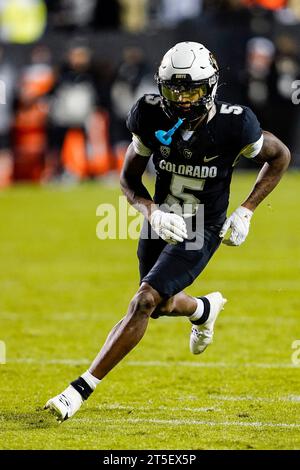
(183, 94)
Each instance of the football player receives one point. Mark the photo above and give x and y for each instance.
(194, 162)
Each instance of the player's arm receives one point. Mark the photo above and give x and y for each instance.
(276, 158)
(170, 227)
(132, 184)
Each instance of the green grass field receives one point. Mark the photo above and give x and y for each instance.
(62, 290)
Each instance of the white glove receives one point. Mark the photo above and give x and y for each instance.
(170, 227)
(239, 223)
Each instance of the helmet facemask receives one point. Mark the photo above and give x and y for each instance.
(187, 99)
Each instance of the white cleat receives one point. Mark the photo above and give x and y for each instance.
(64, 405)
(202, 335)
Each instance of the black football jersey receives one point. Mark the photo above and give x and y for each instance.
(197, 170)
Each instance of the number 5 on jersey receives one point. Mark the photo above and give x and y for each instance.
(227, 109)
(178, 197)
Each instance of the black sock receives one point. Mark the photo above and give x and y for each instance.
(206, 310)
(82, 387)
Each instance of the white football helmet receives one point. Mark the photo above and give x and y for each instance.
(187, 79)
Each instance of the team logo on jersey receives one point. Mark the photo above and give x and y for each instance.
(187, 153)
(165, 151)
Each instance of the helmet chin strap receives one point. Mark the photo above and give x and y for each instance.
(192, 125)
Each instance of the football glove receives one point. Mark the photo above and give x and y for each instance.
(239, 223)
(170, 227)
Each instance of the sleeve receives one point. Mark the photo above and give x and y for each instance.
(139, 147)
(251, 136)
(134, 124)
(133, 121)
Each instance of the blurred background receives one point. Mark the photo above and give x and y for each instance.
(70, 70)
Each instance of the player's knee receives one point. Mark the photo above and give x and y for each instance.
(164, 309)
(143, 303)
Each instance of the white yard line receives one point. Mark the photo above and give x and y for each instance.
(41, 362)
(134, 407)
(194, 422)
(212, 365)
(287, 399)
(205, 365)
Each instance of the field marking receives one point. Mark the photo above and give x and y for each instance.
(192, 422)
(66, 362)
(288, 399)
(212, 365)
(205, 365)
(117, 406)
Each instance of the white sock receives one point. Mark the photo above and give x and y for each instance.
(90, 379)
(199, 310)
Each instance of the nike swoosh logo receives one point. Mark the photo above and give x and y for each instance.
(208, 159)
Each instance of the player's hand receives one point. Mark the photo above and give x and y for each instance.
(239, 223)
(170, 227)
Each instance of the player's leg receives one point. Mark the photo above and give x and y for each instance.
(175, 269)
(128, 332)
(149, 251)
(121, 340)
(179, 305)
(201, 311)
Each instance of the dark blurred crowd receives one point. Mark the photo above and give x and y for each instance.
(63, 109)
(24, 20)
